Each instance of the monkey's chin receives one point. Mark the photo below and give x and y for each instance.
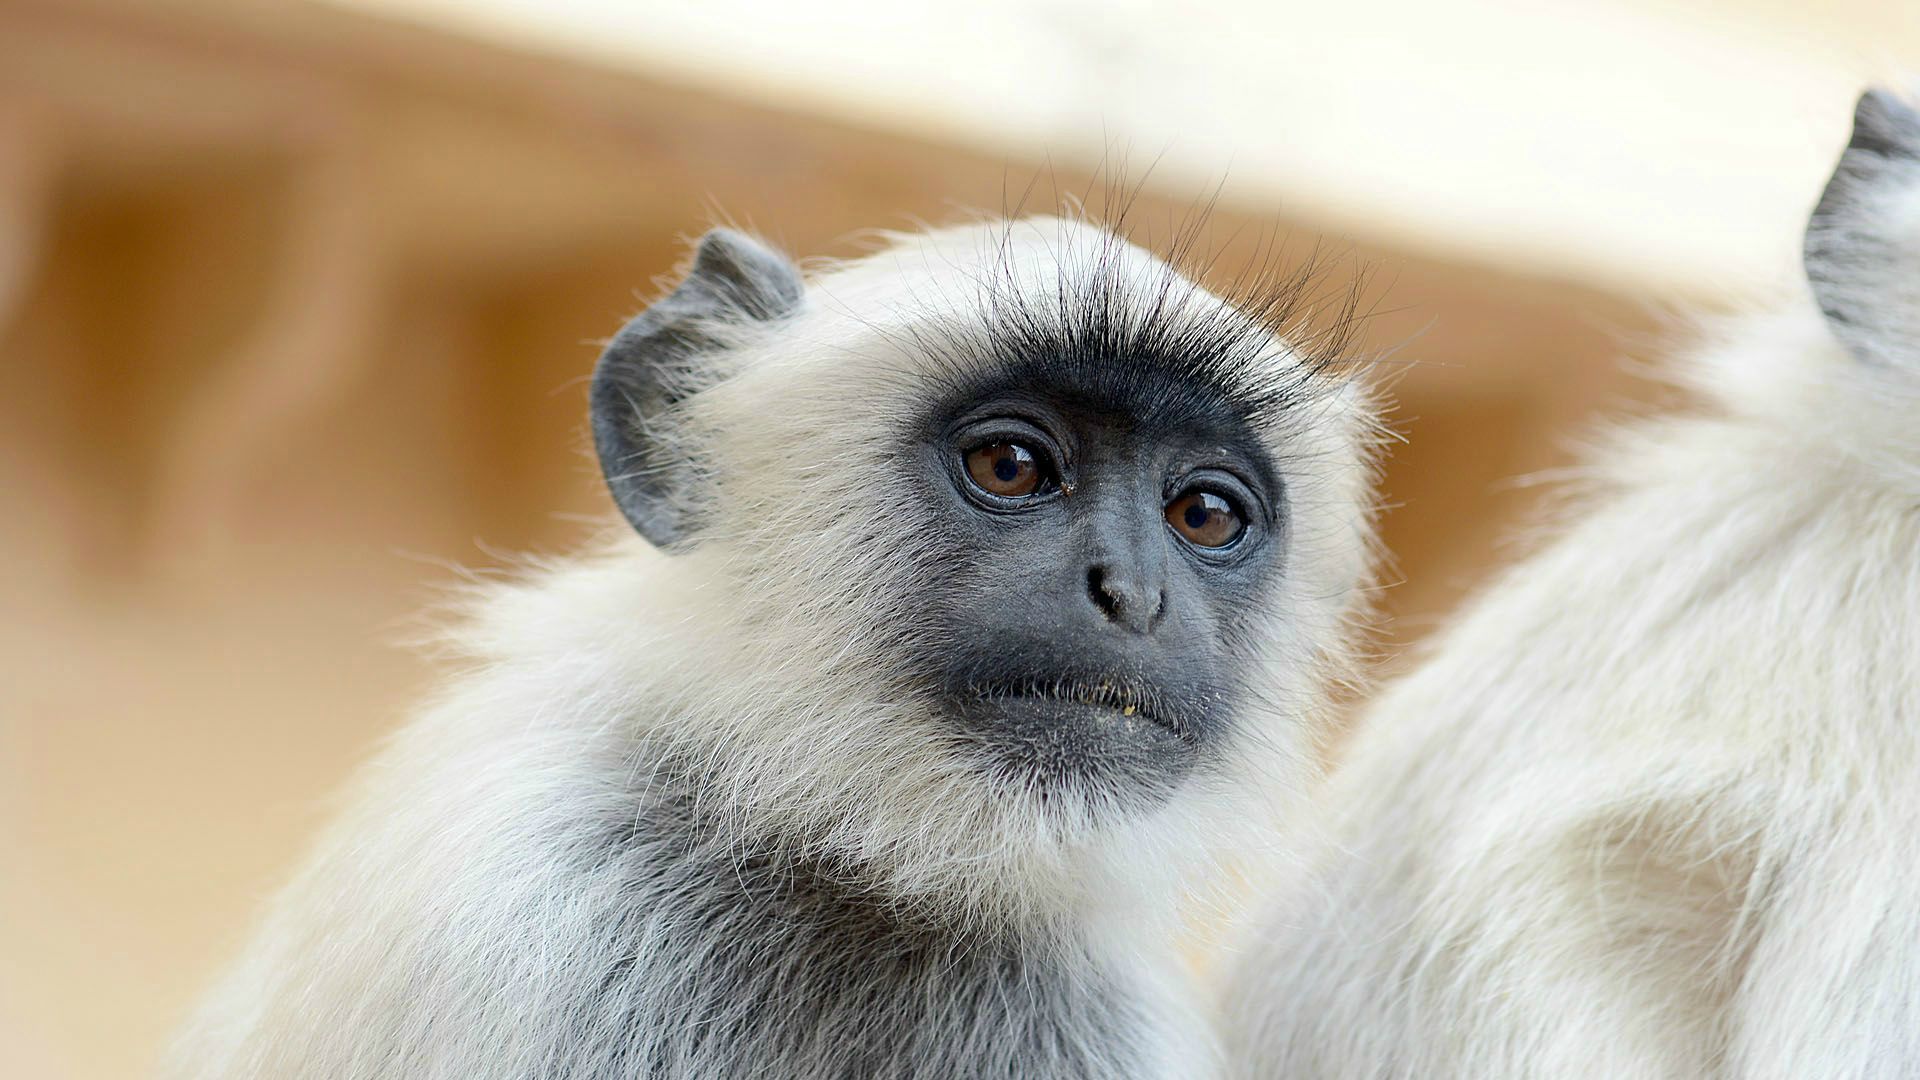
(1054, 747)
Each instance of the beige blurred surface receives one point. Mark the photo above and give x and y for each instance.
(295, 308)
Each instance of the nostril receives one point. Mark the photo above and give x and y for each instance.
(1102, 597)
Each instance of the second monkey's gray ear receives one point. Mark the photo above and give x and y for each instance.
(1863, 242)
(670, 351)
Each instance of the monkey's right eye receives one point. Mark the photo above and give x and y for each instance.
(1006, 469)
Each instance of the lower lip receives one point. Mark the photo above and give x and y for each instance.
(1132, 719)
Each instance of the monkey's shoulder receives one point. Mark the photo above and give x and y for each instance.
(721, 962)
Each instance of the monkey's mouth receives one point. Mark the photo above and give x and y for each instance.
(1121, 701)
(1125, 738)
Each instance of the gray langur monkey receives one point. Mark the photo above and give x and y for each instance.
(1651, 807)
(991, 586)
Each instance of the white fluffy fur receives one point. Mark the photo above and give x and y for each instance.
(1651, 806)
(757, 661)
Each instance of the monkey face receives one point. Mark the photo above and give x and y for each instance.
(1104, 544)
(992, 561)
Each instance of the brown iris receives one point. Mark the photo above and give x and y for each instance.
(1205, 519)
(1006, 469)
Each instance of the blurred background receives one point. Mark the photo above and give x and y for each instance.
(297, 298)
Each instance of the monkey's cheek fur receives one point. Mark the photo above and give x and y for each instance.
(1049, 745)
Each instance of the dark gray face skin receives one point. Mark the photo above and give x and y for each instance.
(1087, 633)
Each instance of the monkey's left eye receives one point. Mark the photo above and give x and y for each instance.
(1006, 469)
(1206, 519)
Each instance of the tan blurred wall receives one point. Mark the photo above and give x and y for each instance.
(295, 308)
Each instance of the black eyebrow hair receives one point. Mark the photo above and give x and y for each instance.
(1146, 340)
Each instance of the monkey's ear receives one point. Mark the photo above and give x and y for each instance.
(1863, 242)
(666, 353)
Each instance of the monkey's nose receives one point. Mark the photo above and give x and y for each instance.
(1125, 599)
